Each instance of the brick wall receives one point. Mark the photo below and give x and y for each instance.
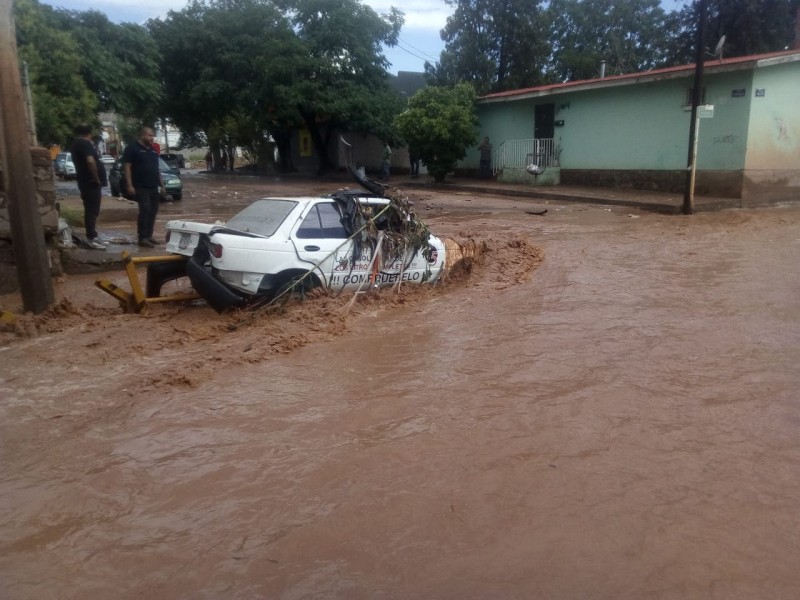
(45, 194)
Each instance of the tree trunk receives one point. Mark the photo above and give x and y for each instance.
(283, 141)
(320, 144)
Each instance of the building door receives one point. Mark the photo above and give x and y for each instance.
(543, 121)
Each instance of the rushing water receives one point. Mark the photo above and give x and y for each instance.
(626, 424)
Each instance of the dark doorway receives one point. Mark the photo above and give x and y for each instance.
(543, 121)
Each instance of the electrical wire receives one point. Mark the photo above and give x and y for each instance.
(407, 51)
(407, 43)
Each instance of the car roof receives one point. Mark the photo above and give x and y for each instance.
(306, 199)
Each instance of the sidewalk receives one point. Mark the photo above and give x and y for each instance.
(113, 210)
(661, 202)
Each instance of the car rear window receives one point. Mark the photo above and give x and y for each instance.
(262, 217)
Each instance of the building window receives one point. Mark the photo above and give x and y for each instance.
(687, 101)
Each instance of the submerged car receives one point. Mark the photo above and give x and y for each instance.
(171, 177)
(345, 241)
(63, 166)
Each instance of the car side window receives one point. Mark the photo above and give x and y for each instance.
(323, 221)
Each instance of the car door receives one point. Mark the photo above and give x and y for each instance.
(321, 241)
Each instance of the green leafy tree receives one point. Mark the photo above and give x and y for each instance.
(61, 96)
(250, 69)
(120, 64)
(237, 62)
(749, 27)
(629, 36)
(494, 44)
(342, 85)
(440, 123)
(81, 63)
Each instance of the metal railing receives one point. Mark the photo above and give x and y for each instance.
(517, 153)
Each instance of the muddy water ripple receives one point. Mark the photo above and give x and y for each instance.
(624, 425)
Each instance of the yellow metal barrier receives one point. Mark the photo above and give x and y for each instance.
(135, 300)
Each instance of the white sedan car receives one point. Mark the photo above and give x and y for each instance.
(346, 241)
(63, 166)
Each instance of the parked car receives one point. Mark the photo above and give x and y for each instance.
(174, 160)
(281, 244)
(63, 166)
(171, 177)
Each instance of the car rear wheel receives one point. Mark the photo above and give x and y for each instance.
(296, 286)
(177, 197)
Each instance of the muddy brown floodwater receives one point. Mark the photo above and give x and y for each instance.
(620, 421)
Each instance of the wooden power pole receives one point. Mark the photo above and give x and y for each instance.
(697, 94)
(27, 234)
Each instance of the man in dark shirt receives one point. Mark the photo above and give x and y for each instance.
(91, 175)
(144, 183)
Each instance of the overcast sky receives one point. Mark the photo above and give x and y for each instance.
(419, 38)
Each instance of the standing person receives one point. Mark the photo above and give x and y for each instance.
(143, 182)
(414, 160)
(486, 158)
(224, 160)
(91, 175)
(209, 159)
(386, 161)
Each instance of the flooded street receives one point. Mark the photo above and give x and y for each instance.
(623, 423)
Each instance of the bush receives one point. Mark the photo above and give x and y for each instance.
(440, 123)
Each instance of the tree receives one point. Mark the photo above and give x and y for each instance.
(749, 27)
(79, 63)
(440, 124)
(629, 36)
(238, 59)
(343, 85)
(61, 97)
(120, 64)
(494, 44)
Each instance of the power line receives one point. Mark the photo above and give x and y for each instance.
(417, 49)
(414, 54)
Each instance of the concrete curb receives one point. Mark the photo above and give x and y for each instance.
(659, 205)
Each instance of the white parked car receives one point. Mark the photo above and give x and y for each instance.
(301, 243)
(63, 166)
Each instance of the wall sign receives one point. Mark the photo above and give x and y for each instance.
(761, 92)
(738, 93)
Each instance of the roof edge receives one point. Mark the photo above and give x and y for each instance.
(713, 66)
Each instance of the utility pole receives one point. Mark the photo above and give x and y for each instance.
(26, 85)
(697, 91)
(27, 234)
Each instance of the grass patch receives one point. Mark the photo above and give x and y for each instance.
(73, 216)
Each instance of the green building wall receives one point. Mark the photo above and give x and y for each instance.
(633, 127)
(772, 165)
(636, 134)
(774, 132)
